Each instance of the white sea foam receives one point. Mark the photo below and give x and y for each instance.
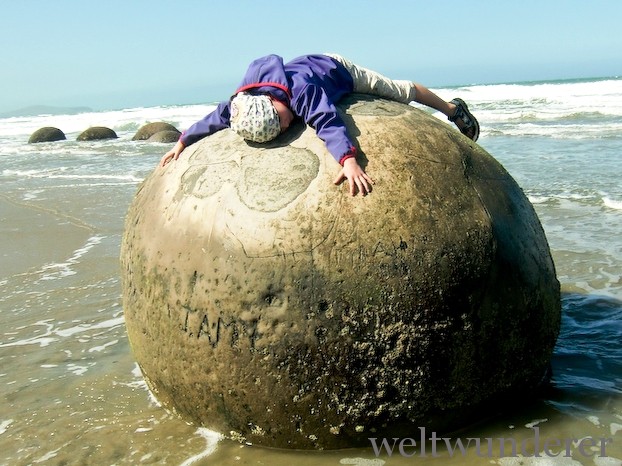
(362, 461)
(77, 369)
(103, 347)
(594, 420)
(4, 425)
(41, 340)
(520, 460)
(52, 333)
(546, 101)
(538, 199)
(64, 269)
(140, 384)
(612, 204)
(590, 109)
(81, 328)
(607, 461)
(127, 120)
(59, 173)
(211, 439)
(534, 423)
(572, 110)
(136, 372)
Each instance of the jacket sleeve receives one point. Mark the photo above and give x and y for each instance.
(212, 122)
(319, 112)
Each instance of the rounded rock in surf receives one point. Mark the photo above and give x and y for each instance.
(46, 134)
(96, 133)
(150, 129)
(266, 303)
(164, 136)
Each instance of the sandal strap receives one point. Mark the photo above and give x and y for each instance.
(470, 124)
(460, 113)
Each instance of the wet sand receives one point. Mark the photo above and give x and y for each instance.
(32, 237)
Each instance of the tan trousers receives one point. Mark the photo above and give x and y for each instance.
(370, 82)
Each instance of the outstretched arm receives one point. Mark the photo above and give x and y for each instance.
(319, 112)
(209, 124)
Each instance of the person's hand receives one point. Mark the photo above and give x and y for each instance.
(356, 176)
(173, 154)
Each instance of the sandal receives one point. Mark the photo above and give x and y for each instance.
(471, 127)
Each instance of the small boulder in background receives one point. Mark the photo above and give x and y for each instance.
(150, 129)
(46, 134)
(165, 136)
(96, 133)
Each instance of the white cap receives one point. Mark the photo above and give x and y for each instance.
(254, 117)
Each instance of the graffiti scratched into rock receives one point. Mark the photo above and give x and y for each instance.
(216, 329)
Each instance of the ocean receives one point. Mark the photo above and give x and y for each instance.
(71, 392)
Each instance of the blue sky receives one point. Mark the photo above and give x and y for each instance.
(122, 53)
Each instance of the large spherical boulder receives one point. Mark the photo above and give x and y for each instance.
(264, 302)
(46, 134)
(148, 130)
(96, 133)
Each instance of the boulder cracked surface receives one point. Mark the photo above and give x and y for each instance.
(265, 303)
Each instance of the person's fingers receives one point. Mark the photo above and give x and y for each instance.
(365, 187)
(166, 160)
(364, 184)
(361, 183)
(171, 155)
(339, 178)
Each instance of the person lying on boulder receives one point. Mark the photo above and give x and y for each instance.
(273, 93)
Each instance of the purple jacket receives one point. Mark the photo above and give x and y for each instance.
(310, 85)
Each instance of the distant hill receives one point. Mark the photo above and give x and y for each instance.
(35, 110)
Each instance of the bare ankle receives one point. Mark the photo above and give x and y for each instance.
(451, 109)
